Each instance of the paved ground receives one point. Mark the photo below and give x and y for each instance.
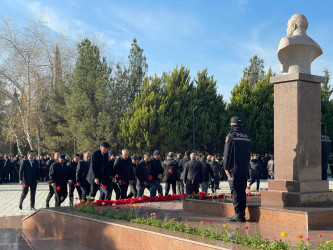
(10, 195)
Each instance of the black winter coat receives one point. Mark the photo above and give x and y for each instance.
(171, 169)
(82, 172)
(237, 151)
(99, 167)
(59, 174)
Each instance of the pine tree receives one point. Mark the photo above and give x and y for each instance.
(88, 117)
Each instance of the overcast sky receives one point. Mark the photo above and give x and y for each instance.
(221, 35)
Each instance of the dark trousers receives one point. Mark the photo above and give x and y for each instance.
(216, 182)
(0, 176)
(71, 188)
(192, 188)
(60, 195)
(115, 188)
(133, 190)
(123, 191)
(6, 176)
(149, 187)
(167, 187)
(33, 187)
(237, 187)
(157, 186)
(93, 189)
(180, 187)
(331, 167)
(85, 192)
(255, 177)
(50, 194)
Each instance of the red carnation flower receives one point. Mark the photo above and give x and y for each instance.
(124, 182)
(25, 186)
(170, 171)
(246, 227)
(117, 176)
(58, 188)
(75, 185)
(104, 187)
(248, 187)
(150, 177)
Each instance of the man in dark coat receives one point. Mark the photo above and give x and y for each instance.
(124, 172)
(255, 166)
(1, 168)
(133, 189)
(59, 177)
(325, 151)
(47, 177)
(112, 171)
(185, 159)
(171, 169)
(236, 162)
(208, 174)
(193, 176)
(29, 177)
(157, 171)
(81, 175)
(7, 167)
(217, 169)
(98, 171)
(72, 165)
(143, 169)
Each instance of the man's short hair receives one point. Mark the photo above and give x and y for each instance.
(125, 151)
(77, 155)
(31, 151)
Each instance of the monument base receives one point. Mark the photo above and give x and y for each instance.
(291, 217)
(283, 193)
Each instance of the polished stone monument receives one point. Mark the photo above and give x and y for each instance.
(297, 124)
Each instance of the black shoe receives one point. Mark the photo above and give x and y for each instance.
(32, 208)
(47, 205)
(236, 218)
(20, 206)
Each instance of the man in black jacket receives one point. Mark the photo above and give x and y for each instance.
(47, 177)
(112, 171)
(7, 167)
(193, 176)
(171, 169)
(98, 171)
(81, 175)
(157, 171)
(124, 172)
(180, 187)
(236, 162)
(59, 176)
(143, 169)
(1, 168)
(208, 174)
(29, 177)
(72, 165)
(133, 189)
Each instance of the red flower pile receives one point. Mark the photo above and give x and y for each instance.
(140, 200)
(58, 188)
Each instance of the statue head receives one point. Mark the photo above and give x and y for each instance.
(297, 25)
